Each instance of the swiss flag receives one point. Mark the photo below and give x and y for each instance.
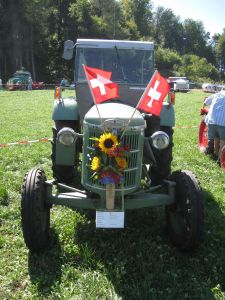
(102, 88)
(152, 99)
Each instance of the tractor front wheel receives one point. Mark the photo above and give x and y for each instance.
(185, 216)
(35, 212)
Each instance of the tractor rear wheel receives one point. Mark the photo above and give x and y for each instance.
(185, 217)
(35, 212)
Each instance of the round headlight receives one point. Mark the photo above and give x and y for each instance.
(160, 140)
(66, 136)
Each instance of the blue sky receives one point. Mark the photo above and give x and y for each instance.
(211, 13)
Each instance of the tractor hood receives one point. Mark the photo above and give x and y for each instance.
(112, 110)
(16, 79)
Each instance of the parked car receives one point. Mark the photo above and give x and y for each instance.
(179, 84)
(209, 88)
(212, 88)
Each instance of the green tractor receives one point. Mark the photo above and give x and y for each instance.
(80, 128)
(19, 80)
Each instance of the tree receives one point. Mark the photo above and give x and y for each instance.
(168, 30)
(165, 60)
(197, 69)
(32, 34)
(220, 53)
(137, 18)
(12, 35)
(107, 17)
(195, 38)
(23, 35)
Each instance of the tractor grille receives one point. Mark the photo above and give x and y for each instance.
(132, 175)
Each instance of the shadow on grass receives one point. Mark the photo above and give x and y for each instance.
(141, 263)
(45, 267)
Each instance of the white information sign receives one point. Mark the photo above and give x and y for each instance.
(109, 219)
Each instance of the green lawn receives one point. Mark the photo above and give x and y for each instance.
(138, 262)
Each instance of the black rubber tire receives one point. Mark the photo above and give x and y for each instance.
(163, 159)
(35, 213)
(185, 217)
(63, 174)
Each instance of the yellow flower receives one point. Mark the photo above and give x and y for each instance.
(95, 163)
(107, 142)
(121, 162)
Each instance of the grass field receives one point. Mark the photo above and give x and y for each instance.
(138, 262)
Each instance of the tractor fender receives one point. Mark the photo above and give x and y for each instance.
(65, 109)
(167, 116)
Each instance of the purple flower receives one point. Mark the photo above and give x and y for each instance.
(106, 180)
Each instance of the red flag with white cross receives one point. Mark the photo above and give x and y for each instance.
(152, 99)
(102, 88)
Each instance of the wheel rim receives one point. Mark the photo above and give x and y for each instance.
(203, 136)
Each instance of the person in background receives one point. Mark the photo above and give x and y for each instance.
(215, 120)
(0, 84)
(29, 87)
(63, 83)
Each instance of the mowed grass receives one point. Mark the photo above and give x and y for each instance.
(137, 262)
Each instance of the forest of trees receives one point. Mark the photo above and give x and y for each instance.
(32, 33)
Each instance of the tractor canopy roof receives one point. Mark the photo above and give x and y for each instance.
(97, 43)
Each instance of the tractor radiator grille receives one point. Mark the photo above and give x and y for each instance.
(132, 175)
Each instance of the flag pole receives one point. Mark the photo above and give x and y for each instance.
(93, 97)
(147, 87)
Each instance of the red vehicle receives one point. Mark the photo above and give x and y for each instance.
(203, 130)
(203, 137)
(36, 85)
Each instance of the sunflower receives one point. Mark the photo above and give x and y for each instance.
(107, 142)
(95, 163)
(121, 162)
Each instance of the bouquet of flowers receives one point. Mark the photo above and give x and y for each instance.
(109, 159)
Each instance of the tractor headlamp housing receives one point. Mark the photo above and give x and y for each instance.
(66, 136)
(160, 140)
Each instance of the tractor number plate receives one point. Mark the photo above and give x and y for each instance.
(109, 219)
